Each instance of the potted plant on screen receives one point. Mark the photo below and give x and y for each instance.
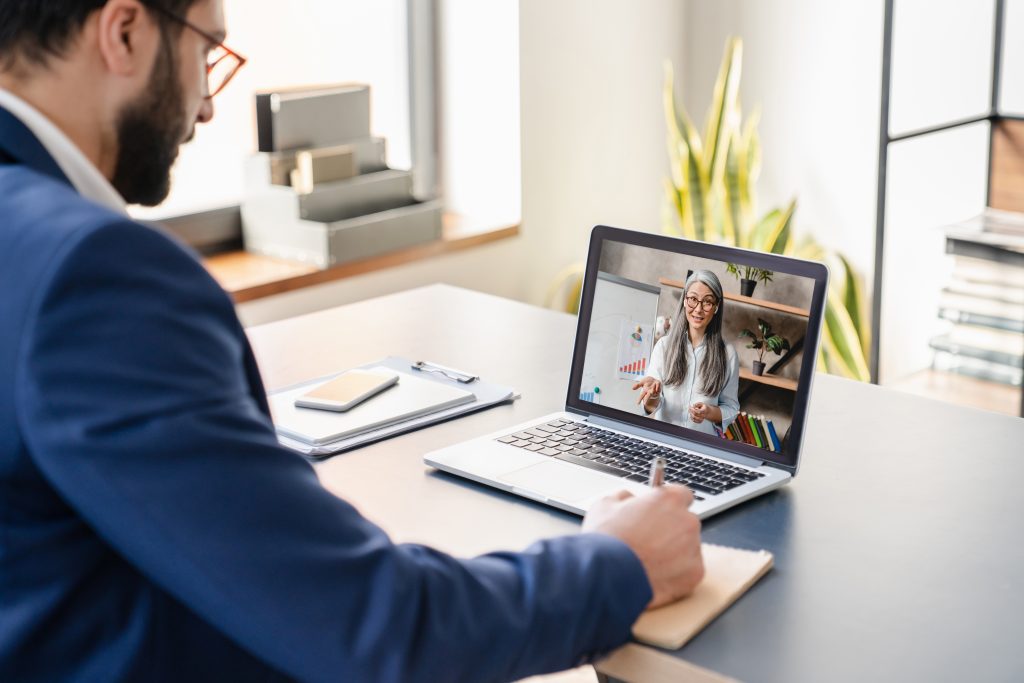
(749, 276)
(767, 341)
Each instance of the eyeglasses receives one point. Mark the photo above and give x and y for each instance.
(707, 303)
(222, 63)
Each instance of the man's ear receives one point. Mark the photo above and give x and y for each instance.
(125, 35)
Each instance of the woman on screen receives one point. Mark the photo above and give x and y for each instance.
(693, 378)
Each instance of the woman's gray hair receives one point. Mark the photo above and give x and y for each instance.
(713, 369)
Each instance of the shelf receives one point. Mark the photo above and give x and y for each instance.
(770, 380)
(248, 277)
(739, 298)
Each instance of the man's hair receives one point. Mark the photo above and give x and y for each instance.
(36, 30)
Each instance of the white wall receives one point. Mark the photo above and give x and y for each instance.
(592, 123)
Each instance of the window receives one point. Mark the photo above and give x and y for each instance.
(444, 77)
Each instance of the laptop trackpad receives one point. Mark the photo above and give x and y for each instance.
(562, 481)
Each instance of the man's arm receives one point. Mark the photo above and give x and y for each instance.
(134, 405)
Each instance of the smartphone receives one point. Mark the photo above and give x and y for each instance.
(347, 390)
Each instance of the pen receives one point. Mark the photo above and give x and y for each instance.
(657, 472)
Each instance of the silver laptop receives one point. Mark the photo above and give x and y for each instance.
(730, 336)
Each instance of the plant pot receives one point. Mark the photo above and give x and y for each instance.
(747, 287)
(758, 367)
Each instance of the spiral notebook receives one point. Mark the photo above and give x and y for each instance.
(728, 574)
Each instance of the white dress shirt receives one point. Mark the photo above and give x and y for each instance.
(675, 401)
(85, 177)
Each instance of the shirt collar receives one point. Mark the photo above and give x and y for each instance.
(85, 177)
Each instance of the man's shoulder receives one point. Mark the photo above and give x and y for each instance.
(46, 221)
(43, 207)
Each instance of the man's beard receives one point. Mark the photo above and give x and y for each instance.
(149, 132)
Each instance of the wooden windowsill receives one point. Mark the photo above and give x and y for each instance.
(248, 277)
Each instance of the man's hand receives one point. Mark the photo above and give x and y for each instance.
(658, 526)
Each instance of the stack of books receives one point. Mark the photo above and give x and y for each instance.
(983, 301)
(756, 430)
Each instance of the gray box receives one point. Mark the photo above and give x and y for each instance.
(327, 244)
(338, 222)
(321, 117)
(333, 201)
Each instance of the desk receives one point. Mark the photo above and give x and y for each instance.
(898, 552)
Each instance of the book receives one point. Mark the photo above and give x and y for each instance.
(412, 397)
(987, 339)
(747, 431)
(743, 428)
(977, 270)
(728, 574)
(998, 308)
(985, 290)
(753, 431)
(947, 344)
(734, 430)
(762, 424)
(977, 368)
(761, 433)
(774, 436)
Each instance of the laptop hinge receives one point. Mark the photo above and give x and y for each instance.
(677, 442)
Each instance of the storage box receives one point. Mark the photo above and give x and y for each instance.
(327, 244)
(321, 117)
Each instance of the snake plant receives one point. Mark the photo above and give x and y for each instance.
(712, 198)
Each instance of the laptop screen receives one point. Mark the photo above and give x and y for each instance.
(708, 343)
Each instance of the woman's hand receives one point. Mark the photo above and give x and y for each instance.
(650, 392)
(702, 411)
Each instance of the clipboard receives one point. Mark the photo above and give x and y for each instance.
(486, 395)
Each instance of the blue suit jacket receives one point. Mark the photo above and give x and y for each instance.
(152, 528)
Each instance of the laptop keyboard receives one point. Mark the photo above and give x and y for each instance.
(629, 458)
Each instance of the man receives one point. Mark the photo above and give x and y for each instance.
(151, 527)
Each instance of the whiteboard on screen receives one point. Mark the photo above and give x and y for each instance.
(619, 341)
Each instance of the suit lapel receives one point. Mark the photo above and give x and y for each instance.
(19, 146)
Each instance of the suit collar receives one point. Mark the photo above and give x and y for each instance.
(19, 146)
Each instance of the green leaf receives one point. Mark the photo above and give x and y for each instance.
(733, 215)
(677, 202)
(723, 107)
(843, 341)
(853, 301)
(776, 239)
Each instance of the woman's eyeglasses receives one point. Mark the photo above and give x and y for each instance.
(222, 63)
(707, 303)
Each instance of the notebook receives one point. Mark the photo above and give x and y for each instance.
(410, 398)
(728, 574)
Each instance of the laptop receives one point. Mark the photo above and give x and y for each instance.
(638, 319)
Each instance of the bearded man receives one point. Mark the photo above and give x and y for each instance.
(151, 527)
